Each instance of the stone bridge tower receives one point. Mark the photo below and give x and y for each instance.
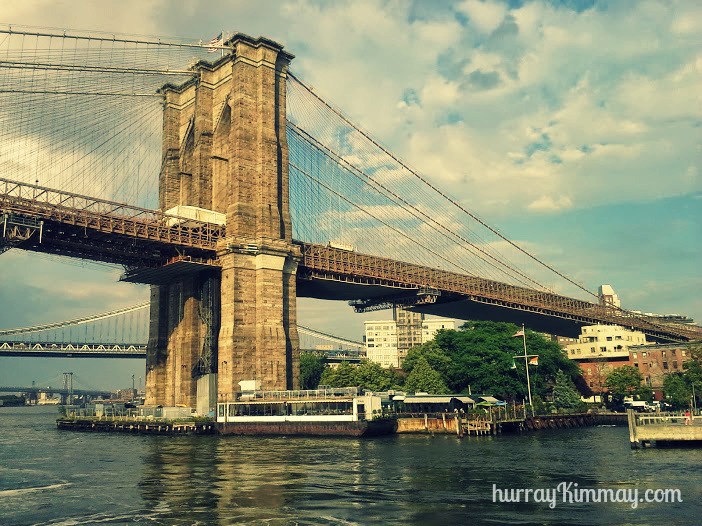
(225, 149)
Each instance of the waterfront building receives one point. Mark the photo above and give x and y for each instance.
(381, 342)
(601, 348)
(431, 327)
(388, 341)
(409, 330)
(655, 361)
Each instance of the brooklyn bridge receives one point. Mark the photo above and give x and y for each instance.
(219, 178)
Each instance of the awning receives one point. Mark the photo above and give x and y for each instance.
(437, 399)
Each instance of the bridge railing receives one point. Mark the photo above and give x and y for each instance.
(106, 216)
(73, 348)
(325, 261)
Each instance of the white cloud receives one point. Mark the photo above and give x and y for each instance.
(484, 16)
(547, 203)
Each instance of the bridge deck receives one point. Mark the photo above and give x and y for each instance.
(83, 227)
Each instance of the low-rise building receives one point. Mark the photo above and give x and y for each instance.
(602, 348)
(431, 327)
(655, 361)
(388, 341)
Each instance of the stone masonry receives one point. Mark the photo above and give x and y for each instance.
(225, 149)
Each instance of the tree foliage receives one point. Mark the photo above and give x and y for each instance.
(368, 375)
(693, 368)
(565, 395)
(624, 381)
(424, 378)
(480, 355)
(677, 391)
(312, 367)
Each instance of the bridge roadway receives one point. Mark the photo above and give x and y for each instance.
(155, 250)
(113, 350)
(73, 350)
(55, 390)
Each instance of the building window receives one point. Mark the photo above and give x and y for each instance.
(643, 354)
(672, 352)
(603, 349)
(684, 352)
(665, 365)
(609, 338)
(663, 353)
(636, 364)
(634, 355)
(675, 364)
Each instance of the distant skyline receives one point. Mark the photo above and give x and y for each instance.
(573, 127)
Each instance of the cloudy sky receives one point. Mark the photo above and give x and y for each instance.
(573, 126)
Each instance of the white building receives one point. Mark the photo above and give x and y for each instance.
(382, 337)
(608, 296)
(431, 327)
(604, 341)
(381, 342)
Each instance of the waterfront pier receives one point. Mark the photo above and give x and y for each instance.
(664, 429)
(489, 425)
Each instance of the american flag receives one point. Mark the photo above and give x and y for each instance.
(216, 41)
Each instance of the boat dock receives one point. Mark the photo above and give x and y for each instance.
(124, 425)
(494, 424)
(664, 429)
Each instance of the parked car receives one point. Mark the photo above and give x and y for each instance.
(640, 406)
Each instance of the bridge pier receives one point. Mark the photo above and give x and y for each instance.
(183, 318)
(225, 149)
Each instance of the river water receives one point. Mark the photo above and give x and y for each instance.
(65, 478)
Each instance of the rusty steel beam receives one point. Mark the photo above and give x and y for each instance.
(324, 262)
(107, 217)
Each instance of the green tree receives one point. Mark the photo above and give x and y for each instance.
(565, 395)
(342, 376)
(624, 381)
(677, 391)
(480, 356)
(433, 354)
(372, 377)
(312, 367)
(424, 378)
(693, 369)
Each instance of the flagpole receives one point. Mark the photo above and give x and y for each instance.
(526, 366)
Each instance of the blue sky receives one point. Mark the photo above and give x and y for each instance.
(574, 127)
